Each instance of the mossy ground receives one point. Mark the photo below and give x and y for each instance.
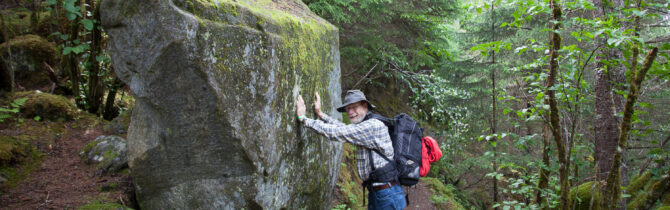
(102, 203)
(17, 159)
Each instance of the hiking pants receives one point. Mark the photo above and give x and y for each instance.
(389, 198)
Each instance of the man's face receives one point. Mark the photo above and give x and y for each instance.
(357, 111)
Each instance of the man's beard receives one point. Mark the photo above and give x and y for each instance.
(356, 119)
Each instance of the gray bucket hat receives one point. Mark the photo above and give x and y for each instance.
(354, 96)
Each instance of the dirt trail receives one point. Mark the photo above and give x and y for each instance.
(63, 180)
(419, 197)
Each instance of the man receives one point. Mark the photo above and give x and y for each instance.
(372, 139)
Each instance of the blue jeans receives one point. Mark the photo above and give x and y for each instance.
(389, 198)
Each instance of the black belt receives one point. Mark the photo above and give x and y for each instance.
(390, 184)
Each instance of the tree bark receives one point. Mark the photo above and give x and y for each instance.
(110, 112)
(543, 181)
(607, 102)
(613, 188)
(493, 109)
(563, 167)
(95, 84)
(9, 70)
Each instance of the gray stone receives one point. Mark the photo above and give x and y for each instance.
(215, 83)
(119, 125)
(2, 180)
(108, 152)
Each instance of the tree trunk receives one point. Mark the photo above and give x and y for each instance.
(95, 84)
(35, 16)
(6, 64)
(110, 111)
(543, 181)
(493, 109)
(613, 188)
(563, 167)
(73, 64)
(607, 102)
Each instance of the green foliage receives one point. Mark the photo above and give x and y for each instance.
(348, 182)
(443, 195)
(9, 111)
(396, 35)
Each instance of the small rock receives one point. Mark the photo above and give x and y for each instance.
(108, 152)
(2, 180)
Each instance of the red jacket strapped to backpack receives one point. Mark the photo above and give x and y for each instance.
(430, 153)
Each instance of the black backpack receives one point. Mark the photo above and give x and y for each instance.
(406, 137)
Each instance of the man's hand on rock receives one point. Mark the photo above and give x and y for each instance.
(300, 108)
(317, 105)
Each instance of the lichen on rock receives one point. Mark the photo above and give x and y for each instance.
(215, 83)
(109, 153)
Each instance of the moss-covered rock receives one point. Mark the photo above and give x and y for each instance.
(214, 122)
(107, 152)
(583, 198)
(28, 52)
(46, 106)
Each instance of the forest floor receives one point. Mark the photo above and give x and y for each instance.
(63, 180)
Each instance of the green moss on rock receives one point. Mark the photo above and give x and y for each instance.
(28, 54)
(47, 106)
(584, 195)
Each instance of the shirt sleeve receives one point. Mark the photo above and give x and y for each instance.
(362, 134)
(330, 120)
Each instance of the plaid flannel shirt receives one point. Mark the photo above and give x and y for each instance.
(369, 134)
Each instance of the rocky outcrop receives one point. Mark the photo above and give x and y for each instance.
(215, 83)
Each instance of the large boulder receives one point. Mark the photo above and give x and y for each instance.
(215, 83)
(28, 54)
